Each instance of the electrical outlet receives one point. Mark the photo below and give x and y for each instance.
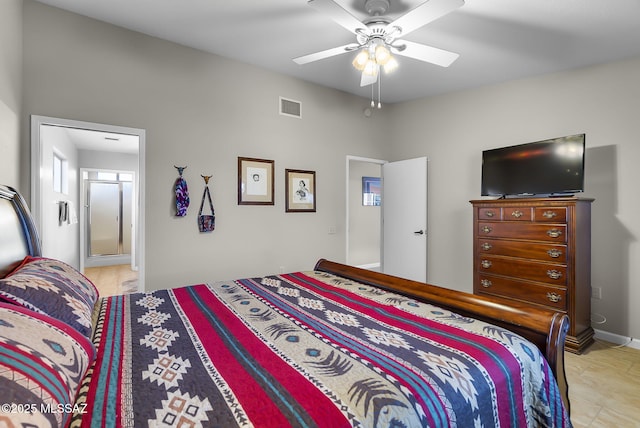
(596, 293)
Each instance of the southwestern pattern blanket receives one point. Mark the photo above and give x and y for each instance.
(308, 349)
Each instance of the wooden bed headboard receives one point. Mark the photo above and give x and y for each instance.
(18, 234)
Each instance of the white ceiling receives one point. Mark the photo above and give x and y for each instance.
(85, 139)
(497, 40)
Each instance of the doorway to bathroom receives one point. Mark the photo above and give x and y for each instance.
(67, 154)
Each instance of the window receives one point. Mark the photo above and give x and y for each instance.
(107, 176)
(60, 171)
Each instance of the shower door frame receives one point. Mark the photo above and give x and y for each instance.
(86, 259)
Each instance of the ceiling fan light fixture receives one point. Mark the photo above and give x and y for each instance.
(383, 55)
(360, 61)
(372, 57)
(391, 65)
(371, 68)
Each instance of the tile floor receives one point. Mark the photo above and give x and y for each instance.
(604, 386)
(109, 279)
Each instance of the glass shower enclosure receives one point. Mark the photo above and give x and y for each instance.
(109, 214)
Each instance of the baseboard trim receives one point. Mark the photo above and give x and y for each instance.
(100, 261)
(370, 266)
(617, 339)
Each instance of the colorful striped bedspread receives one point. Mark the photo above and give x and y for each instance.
(308, 349)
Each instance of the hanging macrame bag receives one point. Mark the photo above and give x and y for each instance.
(206, 222)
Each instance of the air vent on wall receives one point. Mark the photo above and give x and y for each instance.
(290, 108)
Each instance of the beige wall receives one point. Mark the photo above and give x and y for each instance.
(10, 90)
(601, 101)
(202, 111)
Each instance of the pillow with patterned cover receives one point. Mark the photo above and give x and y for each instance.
(53, 288)
(42, 364)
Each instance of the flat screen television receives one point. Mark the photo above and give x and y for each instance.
(542, 168)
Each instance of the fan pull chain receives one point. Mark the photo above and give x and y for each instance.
(373, 104)
(379, 82)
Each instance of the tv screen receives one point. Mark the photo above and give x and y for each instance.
(549, 167)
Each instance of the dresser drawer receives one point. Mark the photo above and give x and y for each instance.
(516, 213)
(528, 231)
(556, 253)
(555, 274)
(552, 297)
(550, 214)
(490, 213)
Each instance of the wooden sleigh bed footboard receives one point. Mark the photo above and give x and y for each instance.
(544, 328)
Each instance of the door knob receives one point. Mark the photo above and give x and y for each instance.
(419, 232)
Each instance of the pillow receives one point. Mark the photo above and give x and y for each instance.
(53, 288)
(42, 363)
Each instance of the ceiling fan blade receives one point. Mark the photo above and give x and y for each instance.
(425, 53)
(305, 59)
(425, 13)
(368, 79)
(338, 14)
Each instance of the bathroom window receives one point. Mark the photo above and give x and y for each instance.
(107, 176)
(60, 171)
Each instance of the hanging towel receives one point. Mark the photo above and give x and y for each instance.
(182, 197)
(72, 217)
(63, 212)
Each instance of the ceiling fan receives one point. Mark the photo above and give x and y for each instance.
(378, 36)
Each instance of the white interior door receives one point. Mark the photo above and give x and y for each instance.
(404, 219)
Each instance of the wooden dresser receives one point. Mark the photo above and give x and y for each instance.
(538, 251)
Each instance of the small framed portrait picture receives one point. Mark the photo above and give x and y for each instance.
(255, 181)
(300, 190)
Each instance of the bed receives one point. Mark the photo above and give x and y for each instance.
(331, 347)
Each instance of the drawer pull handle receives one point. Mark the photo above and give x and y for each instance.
(554, 274)
(489, 213)
(554, 252)
(517, 213)
(549, 214)
(486, 264)
(485, 283)
(486, 246)
(554, 297)
(486, 229)
(554, 233)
